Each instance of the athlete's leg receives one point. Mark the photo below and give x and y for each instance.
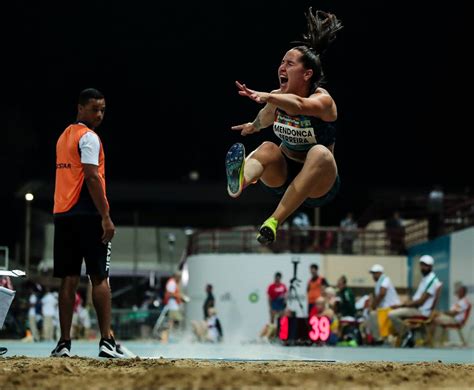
(315, 179)
(266, 163)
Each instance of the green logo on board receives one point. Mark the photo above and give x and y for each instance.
(253, 297)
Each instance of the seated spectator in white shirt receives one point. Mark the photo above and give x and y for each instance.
(457, 312)
(209, 330)
(420, 305)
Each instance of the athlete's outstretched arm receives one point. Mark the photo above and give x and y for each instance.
(319, 105)
(265, 118)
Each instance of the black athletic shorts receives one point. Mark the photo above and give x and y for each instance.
(78, 237)
(294, 168)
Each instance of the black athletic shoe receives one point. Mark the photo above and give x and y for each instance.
(3, 350)
(409, 340)
(108, 348)
(63, 349)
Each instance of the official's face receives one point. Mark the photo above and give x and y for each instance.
(92, 112)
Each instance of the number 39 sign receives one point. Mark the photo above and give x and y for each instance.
(320, 328)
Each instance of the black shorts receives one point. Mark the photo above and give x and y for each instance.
(294, 168)
(78, 237)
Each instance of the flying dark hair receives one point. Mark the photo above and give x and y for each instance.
(322, 29)
(89, 93)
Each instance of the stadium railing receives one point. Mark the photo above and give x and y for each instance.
(308, 240)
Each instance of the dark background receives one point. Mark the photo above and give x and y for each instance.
(398, 72)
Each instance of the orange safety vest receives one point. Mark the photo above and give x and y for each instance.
(177, 293)
(69, 170)
(314, 289)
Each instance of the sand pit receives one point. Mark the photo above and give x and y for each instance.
(93, 374)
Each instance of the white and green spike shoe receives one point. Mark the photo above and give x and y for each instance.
(234, 164)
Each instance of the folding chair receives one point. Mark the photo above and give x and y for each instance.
(457, 327)
(422, 323)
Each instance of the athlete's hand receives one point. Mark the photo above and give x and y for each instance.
(108, 228)
(259, 97)
(246, 128)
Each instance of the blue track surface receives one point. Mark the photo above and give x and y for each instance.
(251, 352)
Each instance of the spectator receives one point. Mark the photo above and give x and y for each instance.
(420, 305)
(49, 304)
(348, 233)
(32, 313)
(300, 237)
(346, 304)
(209, 330)
(214, 328)
(81, 321)
(6, 282)
(457, 312)
(150, 303)
(75, 315)
(395, 233)
(315, 286)
(323, 309)
(385, 296)
(330, 295)
(277, 295)
(173, 300)
(209, 302)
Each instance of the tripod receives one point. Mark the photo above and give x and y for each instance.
(296, 337)
(295, 282)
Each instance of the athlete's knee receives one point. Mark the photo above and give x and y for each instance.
(320, 152)
(269, 147)
(320, 157)
(267, 152)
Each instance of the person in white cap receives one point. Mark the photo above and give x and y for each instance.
(420, 305)
(385, 296)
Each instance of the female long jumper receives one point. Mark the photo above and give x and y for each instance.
(302, 169)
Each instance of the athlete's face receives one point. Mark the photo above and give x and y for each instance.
(293, 76)
(92, 112)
